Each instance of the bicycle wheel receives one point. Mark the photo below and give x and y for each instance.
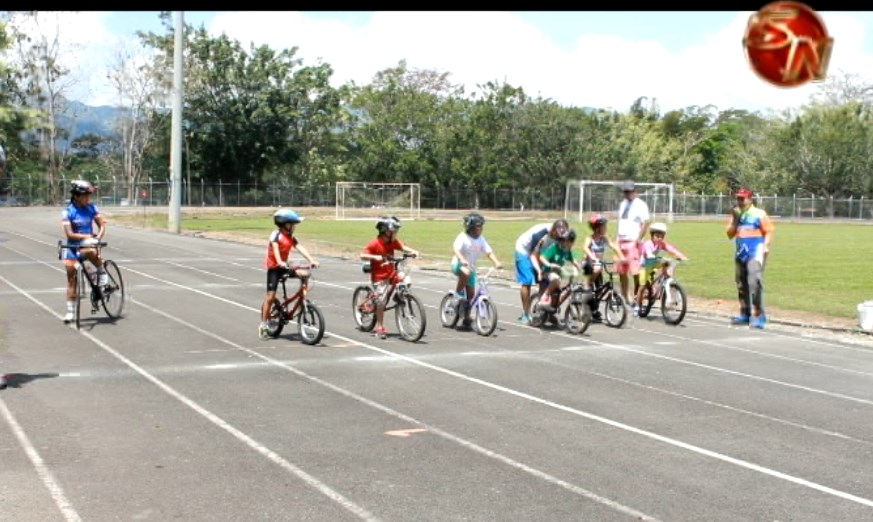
(486, 317)
(364, 307)
(112, 295)
(673, 303)
(648, 301)
(82, 288)
(410, 317)
(537, 315)
(310, 323)
(577, 318)
(448, 311)
(277, 319)
(614, 309)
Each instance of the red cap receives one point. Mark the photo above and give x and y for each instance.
(744, 193)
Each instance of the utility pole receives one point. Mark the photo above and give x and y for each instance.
(174, 220)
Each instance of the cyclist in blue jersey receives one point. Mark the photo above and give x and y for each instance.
(78, 221)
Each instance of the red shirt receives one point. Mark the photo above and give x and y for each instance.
(286, 243)
(379, 247)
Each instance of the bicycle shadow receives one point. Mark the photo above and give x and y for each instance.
(90, 322)
(17, 380)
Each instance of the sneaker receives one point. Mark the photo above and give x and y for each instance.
(524, 318)
(758, 322)
(636, 310)
(264, 332)
(740, 319)
(69, 318)
(554, 320)
(2, 382)
(381, 332)
(596, 317)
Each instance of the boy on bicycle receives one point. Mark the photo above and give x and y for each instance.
(278, 260)
(468, 248)
(651, 259)
(379, 251)
(553, 259)
(78, 221)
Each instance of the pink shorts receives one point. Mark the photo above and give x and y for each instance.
(631, 263)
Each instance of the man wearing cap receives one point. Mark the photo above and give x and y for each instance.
(633, 223)
(752, 230)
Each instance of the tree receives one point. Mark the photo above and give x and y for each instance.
(45, 82)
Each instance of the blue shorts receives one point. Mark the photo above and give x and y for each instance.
(456, 269)
(524, 270)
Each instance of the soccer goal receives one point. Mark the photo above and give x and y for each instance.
(603, 197)
(365, 200)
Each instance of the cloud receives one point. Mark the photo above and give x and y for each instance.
(596, 69)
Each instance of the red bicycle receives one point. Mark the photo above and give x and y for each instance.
(296, 307)
(409, 312)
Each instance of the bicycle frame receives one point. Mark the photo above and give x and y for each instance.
(298, 296)
(396, 286)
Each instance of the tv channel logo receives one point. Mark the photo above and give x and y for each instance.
(787, 44)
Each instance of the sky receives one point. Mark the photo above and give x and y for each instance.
(596, 59)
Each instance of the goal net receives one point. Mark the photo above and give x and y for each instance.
(364, 200)
(584, 197)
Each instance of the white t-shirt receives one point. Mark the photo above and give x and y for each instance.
(471, 249)
(629, 228)
(526, 242)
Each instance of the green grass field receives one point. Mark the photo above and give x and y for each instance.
(814, 267)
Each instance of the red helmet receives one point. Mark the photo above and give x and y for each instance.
(597, 219)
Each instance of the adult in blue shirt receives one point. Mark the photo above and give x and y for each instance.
(78, 221)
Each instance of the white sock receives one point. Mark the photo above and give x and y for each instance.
(71, 306)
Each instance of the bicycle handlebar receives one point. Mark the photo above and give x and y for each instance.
(61, 244)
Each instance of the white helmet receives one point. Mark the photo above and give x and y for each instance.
(658, 227)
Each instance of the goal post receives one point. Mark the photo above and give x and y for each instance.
(586, 196)
(368, 200)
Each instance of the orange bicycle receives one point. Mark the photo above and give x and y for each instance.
(409, 312)
(297, 307)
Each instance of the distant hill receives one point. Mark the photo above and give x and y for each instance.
(86, 119)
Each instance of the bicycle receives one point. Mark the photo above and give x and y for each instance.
(111, 296)
(664, 288)
(407, 307)
(615, 309)
(453, 308)
(577, 315)
(297, 307)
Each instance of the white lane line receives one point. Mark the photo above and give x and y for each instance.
(616, 424)
(610, 422)
(218, 421)
(394, 413)
(45, 474)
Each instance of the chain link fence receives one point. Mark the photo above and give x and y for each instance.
(28, 191)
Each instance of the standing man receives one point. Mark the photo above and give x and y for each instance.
(633, 223)
(752, 229)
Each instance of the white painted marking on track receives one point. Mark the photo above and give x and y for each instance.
(45, 474)
(604, 420)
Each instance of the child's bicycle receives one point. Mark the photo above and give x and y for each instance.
(663, 287)
(577, 315)
(485, 313)
(297, 307)
(409, 312)
(110, 296)
(615, 309)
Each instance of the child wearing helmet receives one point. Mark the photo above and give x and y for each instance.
(77, 221)
(467, 249)
(378, 252)
(595, 246)
(651, 259)
(277, 261)
(553, 260)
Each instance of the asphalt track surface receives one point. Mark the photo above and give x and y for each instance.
(177, 411)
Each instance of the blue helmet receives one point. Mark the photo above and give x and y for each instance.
(285, 215)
